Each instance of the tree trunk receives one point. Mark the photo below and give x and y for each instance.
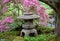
(57, 27)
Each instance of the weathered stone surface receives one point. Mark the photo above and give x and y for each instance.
(29, 16)
(28, 26)
(32, 32)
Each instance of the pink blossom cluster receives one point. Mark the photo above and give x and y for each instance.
(4, 28)
(4, 9)
(9, 19)
(28, 4)
(3, 25)
(37, 7)
(5, 1)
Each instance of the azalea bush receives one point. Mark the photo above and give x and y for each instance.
(25, 6)
(4, 26)
(42, 37)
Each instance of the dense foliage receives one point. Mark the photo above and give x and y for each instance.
(42, 37)
(45, 34)
(27, 6)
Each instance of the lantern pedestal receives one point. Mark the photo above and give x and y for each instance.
(27, 32)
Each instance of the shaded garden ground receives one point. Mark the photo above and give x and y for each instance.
(44, 34)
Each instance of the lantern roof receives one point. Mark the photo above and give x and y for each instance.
(28, 16)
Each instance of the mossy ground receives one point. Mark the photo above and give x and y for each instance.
(42, 37)
(45, 34)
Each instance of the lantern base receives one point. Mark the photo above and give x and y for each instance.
(31, 32)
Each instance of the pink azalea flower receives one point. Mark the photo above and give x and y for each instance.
(8, 20)
(1, 26)
(1, 30)
(5, 9)
(43, 23)
(5, 1)
(6, 27)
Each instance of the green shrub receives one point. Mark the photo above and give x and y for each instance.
(5, 34)
(42, 37)
(9, 38)
(18, 38)
(13, 36)
(45, 29)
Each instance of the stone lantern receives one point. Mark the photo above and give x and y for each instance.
(28, 26)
